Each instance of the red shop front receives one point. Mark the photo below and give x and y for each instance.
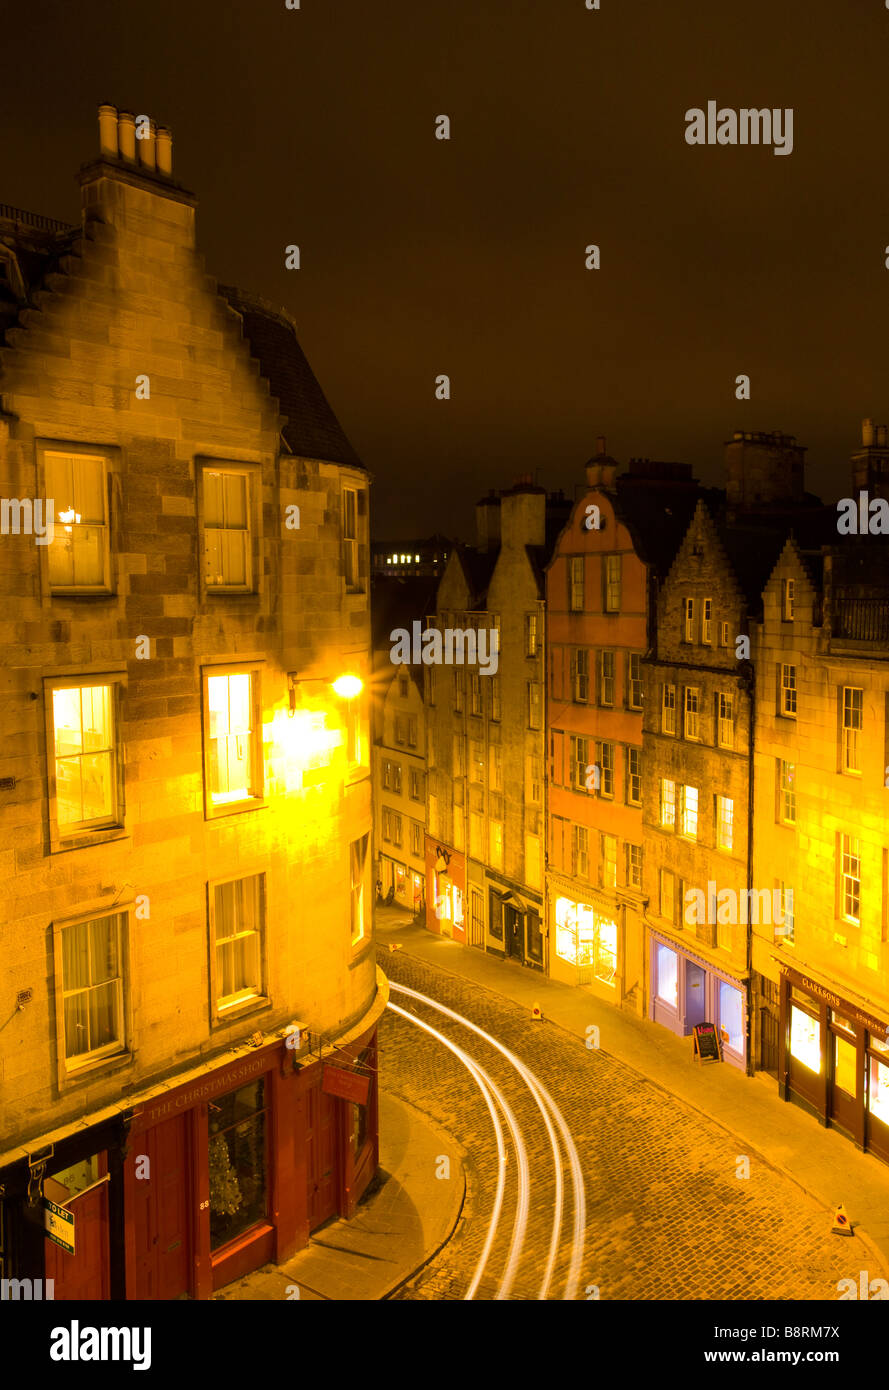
(235, 1169)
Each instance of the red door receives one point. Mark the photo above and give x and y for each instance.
(321, 1156)
(161, 1205)
(85, 1273)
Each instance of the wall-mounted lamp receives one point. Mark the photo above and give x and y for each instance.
(347, 687)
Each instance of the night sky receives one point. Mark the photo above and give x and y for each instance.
(466, 257)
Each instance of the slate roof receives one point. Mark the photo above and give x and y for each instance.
(312, 430)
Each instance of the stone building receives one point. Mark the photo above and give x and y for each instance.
(185, 809)
(485, 722)
(601, 591)
(820, 844)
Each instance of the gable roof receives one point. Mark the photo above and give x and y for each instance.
(312, 430)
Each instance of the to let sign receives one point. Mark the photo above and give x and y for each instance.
(59, 1225)
(347, 1085)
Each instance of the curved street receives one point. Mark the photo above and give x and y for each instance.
(662, 1212)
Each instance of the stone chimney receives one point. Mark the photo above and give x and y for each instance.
(132, 179)
(601, 468)
(523, 514)
(487, 522)
(763, 469)
(870, 462)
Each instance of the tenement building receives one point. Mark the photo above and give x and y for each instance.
(485, 732)
(821, 842)
(600, 594)
(188, 1061)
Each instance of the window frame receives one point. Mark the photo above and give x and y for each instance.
(108, 456)
(612, 585)
(114, 1055)
(252, 472)
(257, 800)
(787, 693)
(727, 698)
(576, 583)
(81, 834)
(847, 743)
(691, 717)
(222, 1014)
(351, 545)
(668, 709)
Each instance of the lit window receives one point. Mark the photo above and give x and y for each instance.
(358, 867)
(233, 767)
(237, 926)
(86, 758)
(853, 723)
(786, 792)
(691, 712)
(667, 971)
(609, 861)
(850, 884)
(689, 812)
(726, 720)
(788, 690)
(668, 721)
(79, 554)
(668, 803)
(805, 1039)
(92, 988)
(725, 815)
(226, 530)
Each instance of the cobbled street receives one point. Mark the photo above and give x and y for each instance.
(666, 1215)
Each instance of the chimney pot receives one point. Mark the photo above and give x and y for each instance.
(164, 150)
(147, 146)
(126, 136)
(881, 436)
(600, 444)
(108, 132)
(867, 433)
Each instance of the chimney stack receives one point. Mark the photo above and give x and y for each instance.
(870, 461)
(118, 141)
(108, 132)
(867, 433)
(165, 151)
(126, 136)
(148, 145)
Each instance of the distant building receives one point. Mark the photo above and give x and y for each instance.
(185, 812)
(410, 559)
(486, 749)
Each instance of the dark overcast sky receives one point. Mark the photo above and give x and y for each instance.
(422, 256)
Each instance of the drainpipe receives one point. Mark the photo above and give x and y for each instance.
(751, 680)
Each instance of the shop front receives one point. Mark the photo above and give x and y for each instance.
(585, 943)
(834, 1060)
(687, 990)
(200, 1184)
(445, 900)
(514, 926)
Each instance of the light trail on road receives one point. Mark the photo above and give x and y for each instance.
(548, 1108)
(492, 1092)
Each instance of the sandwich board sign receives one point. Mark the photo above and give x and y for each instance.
(59, 1225)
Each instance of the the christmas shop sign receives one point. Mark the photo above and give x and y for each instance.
(226, 1079)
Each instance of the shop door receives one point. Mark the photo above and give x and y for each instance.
(321, 1156)
(515, 933)
(695, 995)
(83, 1275)
(161, 1204)
(845, 1079)
(768, 1042)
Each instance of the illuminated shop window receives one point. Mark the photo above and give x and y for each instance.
(586, 938)
(844, 1065)
(667, 975)
(731, 1017)
(878, 1082)
(236, 1126)
(805, 1039)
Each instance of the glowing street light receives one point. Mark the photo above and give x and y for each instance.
(347, 687)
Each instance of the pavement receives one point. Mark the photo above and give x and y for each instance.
(827, 1166)
(404, 1221)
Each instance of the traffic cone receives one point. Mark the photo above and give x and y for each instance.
(394, 945)
(536, 1013)
(841, 1223)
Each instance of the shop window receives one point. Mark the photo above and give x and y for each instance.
(236, 1126)
(878, 1081)
(845, 1069)
(79, 553)
(495, 914)
(605, 958)
(731, 1017)
(227, 506)
(233, 758)
(805, 1039)
(667, 966)
(237, 925)
(92, 989)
